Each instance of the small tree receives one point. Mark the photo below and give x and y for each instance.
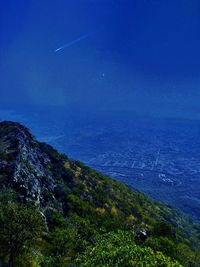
(21, 226)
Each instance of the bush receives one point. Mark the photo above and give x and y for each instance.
(118, 249)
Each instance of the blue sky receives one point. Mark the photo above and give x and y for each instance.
(141, 55)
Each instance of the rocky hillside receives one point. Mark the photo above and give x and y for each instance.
(82, 205)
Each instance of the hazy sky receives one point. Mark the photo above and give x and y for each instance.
(138, 55)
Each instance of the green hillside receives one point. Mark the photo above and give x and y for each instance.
(58, 212)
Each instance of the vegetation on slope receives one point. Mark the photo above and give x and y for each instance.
(63, 213)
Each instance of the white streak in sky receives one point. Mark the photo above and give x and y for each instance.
(73, 42)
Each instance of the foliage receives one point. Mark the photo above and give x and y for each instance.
(21, 229)
(59, 242)
(118, 249)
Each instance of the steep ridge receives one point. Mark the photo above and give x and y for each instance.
(87, 203)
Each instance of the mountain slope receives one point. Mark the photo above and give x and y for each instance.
(85, 204)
